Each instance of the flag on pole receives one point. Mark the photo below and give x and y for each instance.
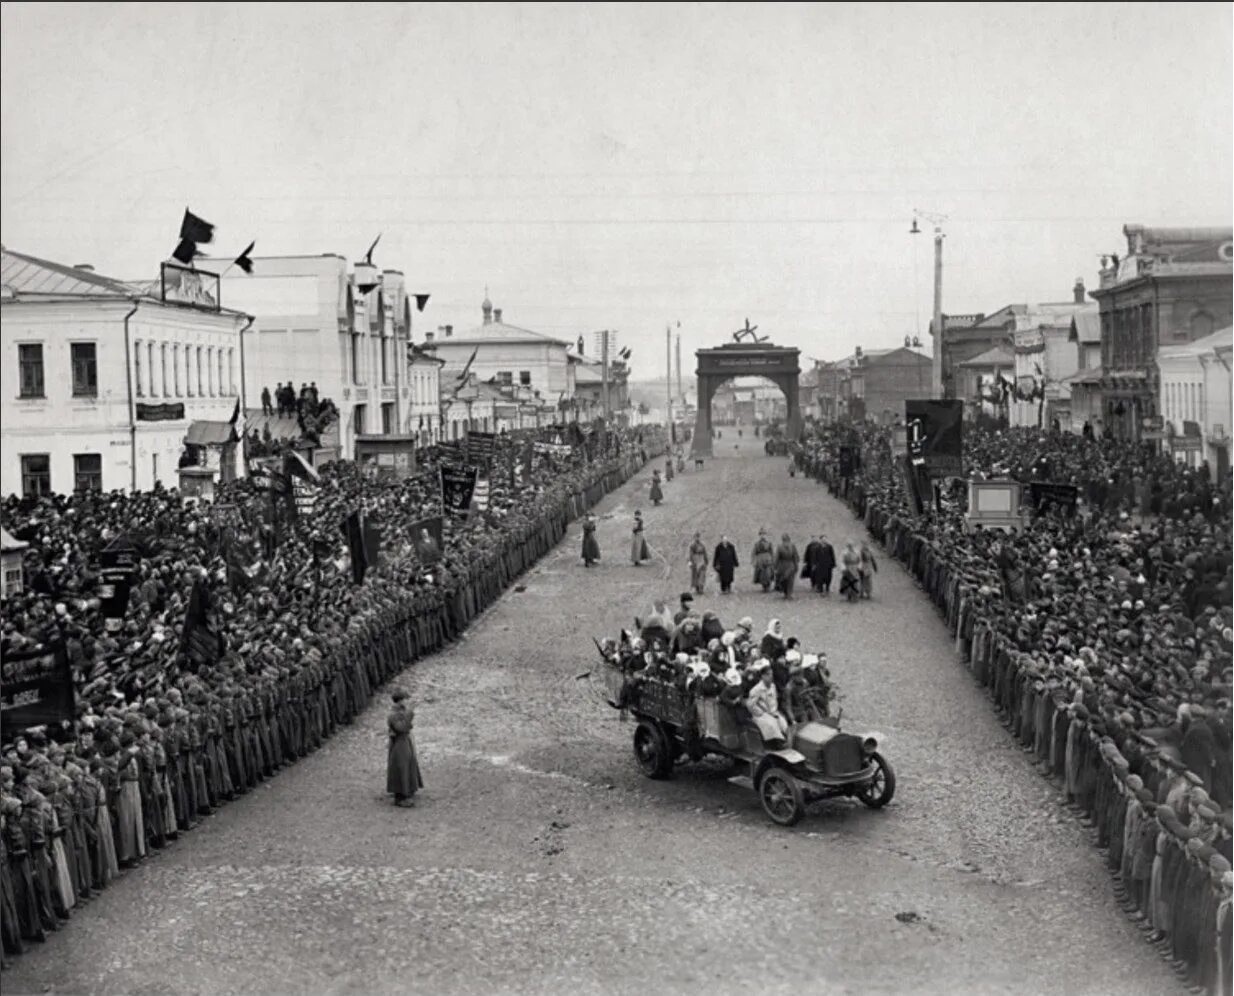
(462, 378)
(421, 301)
(368, 256)
(244, 260)
(185, 252)
(195, 229)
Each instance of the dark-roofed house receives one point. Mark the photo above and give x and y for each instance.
(102, 380)
(1085, 383)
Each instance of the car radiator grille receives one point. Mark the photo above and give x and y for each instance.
(843, 756)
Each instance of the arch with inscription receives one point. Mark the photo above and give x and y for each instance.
(779, 364)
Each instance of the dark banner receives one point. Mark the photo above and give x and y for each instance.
(935, 436)
(426, 534)
(916, 501)
(457, 486)
(353, 528)
(172, 411)
(36, 689)
(198, 642)
(480, 448)
(1044, 497)
(118, 563)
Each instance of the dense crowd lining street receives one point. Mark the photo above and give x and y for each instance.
(538, 858)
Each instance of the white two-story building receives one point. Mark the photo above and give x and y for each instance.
(511, 357)
(102, 382)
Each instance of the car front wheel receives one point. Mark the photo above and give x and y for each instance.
(878, 791)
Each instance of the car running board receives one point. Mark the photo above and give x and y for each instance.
(742, 781)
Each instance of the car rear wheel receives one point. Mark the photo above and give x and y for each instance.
(651, 750)
(780, 796)
(878, 791)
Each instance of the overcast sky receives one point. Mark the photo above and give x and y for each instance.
(627, 167)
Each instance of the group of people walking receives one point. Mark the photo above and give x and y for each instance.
(777, 567)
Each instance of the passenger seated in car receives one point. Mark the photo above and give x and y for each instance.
(764, 708)
(800, 705)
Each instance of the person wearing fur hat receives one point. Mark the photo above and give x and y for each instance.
(403, 778)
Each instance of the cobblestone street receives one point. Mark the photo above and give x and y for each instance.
(538, 859)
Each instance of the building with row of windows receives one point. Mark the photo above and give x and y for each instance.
(103, 381)
(345, 330)
(871, 384)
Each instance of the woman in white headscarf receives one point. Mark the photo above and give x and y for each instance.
(773, 644)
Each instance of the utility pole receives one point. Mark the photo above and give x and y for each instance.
(680, 393)
(604, 373)
(937, 325)
(668, 380)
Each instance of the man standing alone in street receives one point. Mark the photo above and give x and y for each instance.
(724, 562)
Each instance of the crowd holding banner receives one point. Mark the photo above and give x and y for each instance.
(1102, 632)
(247, 638)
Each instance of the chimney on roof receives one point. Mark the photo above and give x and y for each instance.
(428, 337)
(446, 331)
(580, 345)
(1078, 290)
(497, 315)
(88, 267)
(857, 352)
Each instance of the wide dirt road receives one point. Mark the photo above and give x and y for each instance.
(539, 860)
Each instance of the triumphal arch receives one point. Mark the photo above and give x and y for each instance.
(779, 364)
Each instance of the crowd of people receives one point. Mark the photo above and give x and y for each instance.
(161, 740)
(1103, 635)
(768, 678)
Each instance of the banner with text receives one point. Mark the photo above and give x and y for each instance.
(934, 435)
(36, 689)
(457, 486)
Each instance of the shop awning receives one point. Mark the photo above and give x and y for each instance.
(210, 433)
(1085, 378)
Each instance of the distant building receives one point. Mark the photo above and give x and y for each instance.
(424, 401)
(979, 377)
(872, 384)
(1196, 399)
(1045, 356)
(883, 379)
(103, 381)
(1085, 383)
(1172, 288)
(510, 356)
(968, 336)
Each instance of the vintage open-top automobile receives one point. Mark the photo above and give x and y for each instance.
(819, 761)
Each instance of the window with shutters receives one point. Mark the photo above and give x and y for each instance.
(137, 370)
